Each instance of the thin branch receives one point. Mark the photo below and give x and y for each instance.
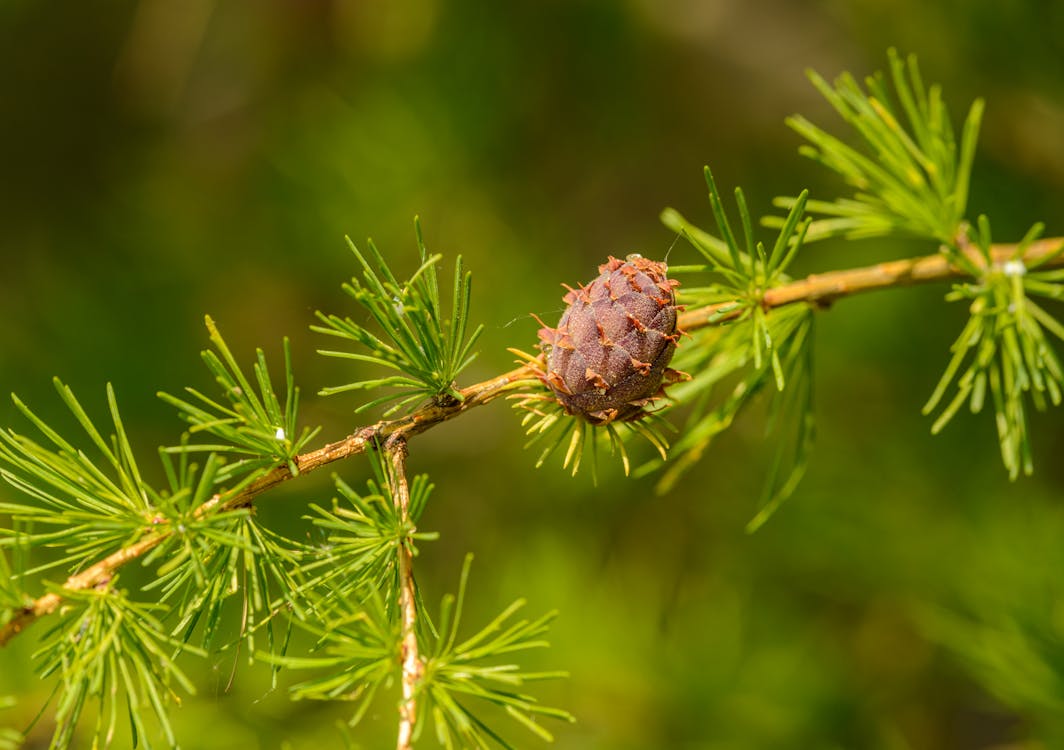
(822, 289)
(817, 289)
(412, 666)
(98, 573)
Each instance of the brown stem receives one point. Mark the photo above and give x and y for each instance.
(412, 666)
(823, 288)
(817, 289)
(98, 573)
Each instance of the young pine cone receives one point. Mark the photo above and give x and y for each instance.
(608, 356)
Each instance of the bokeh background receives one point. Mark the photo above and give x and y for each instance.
(164, 159)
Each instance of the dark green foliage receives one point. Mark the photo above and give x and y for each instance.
(427, 349)
(1001, 616)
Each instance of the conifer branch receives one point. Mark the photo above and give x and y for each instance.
(357, 442)
(817, 289)
(822, 289)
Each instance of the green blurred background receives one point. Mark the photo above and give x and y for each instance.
(164, 159)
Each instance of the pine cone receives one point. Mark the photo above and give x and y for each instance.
(608, 356)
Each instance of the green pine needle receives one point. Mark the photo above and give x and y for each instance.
(357, 649)
(477, 668)
(414, 337)
(1003, 351)
(209, 563)
(361, 531)
(113, 656)
(549, 427)
(12, 598)
(252, 422)
(909, 173)
(758, 347)
(742, 274)
(86, 505)
(729, 356)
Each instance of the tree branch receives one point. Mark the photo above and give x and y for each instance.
(412, 666)
(822, 289)
(401, 428)
(816, 289)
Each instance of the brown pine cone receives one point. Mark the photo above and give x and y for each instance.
(608, 356)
